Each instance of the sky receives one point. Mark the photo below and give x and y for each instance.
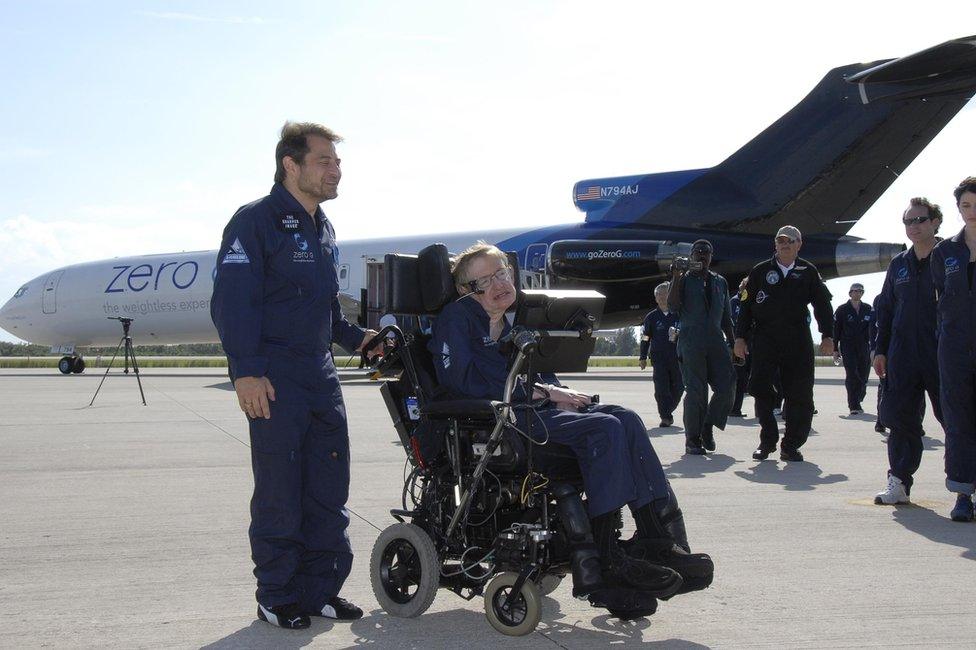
(139, 127)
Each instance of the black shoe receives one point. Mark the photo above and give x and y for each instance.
(650, 579)
(695, 450)
(623, 602)
(667, 422)
(880, 428)
(696, 569)
(790, 455)
(340, 609)
(737, 414)
(288, 616)
(708, 438)
(761, 454)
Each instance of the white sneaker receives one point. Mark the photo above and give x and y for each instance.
(894, 493)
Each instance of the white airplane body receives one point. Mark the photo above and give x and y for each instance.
(166, 295)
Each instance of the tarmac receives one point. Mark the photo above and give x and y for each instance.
(123, 525)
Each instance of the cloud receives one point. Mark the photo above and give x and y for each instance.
(197, 18)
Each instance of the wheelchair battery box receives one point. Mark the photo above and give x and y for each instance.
(405, 413)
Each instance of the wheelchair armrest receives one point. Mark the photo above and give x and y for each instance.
(469, 408)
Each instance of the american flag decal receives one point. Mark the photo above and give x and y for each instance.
(589, 193)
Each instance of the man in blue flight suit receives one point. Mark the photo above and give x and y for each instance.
(742, 366)
(953, 271)
(655, 335)
(700, 298)
(275, 305)
(905, 349)
(853, 323)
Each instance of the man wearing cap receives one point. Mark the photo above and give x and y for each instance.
(773, 317)
(700, 298)
(853, 323)
(906, 349)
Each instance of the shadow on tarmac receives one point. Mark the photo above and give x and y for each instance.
(447, 629)
(937, 527)
(689, 466)
(792, 476)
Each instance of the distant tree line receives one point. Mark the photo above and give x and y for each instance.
(623, 343)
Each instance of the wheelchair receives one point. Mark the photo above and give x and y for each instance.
(477, 517)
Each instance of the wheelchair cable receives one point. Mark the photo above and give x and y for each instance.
(493, 510)
(465, 569)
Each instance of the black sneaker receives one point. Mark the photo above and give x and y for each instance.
(694, 450)
(880, 428)
(340, 609)
(667, 422)
(288, 616)
(737, 414)
(761, 454)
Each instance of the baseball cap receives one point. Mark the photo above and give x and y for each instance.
(789, 231)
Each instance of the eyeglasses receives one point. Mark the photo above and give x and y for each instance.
(914, 221)
(503, 274)
(785, 240)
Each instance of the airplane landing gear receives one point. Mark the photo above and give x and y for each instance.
(71, 365)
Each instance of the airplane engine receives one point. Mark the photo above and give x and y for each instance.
(592, 260)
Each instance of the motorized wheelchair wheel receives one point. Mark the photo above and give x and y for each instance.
(524, 612)
(549, 583)
(404, 570)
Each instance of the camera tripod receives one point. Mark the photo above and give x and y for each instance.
(126, 343)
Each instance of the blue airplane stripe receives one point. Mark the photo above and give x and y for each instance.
(628, 208)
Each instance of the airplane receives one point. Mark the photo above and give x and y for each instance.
(819, 167)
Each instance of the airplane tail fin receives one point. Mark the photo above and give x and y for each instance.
(820, 166)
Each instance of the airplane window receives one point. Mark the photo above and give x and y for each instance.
(342, 273)
(21, 291)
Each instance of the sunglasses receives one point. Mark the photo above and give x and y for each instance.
(914, 221)
(785, 240)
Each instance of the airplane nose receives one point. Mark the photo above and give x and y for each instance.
(12, 316)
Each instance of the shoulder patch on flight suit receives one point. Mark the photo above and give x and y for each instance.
(772, 277)
(761, 297)
(236, 254)
(951, 265)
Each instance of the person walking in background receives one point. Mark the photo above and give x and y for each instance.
(742, 366)
(853, 323)
(658, 336)
(773, 319)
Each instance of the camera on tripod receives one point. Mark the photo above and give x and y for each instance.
(682, 263)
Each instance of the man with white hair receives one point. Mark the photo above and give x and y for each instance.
(656, 337)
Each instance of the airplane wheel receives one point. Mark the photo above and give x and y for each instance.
(549, 583)
(65, 365)
(522, 615)
(78, 366)
(404, 570)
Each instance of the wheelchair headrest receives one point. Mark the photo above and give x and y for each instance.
(422, 284)
(419, 284)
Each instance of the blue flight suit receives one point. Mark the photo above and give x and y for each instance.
(742, 370)
(953, 275)
(852, 336)
(907, 337)
(668, 385)
(704, 353)
(610, 442)
(276, 308)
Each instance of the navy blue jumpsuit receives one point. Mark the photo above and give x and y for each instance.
(276, 308)
(953, 274)
(668, 385)
(852, 335)
(742, 370)
(615, 456)
(704, 352)
(907, 337)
